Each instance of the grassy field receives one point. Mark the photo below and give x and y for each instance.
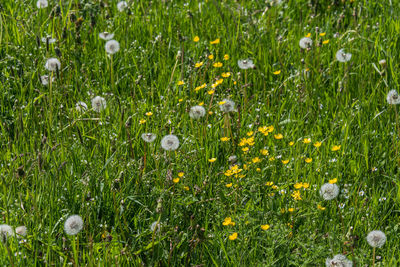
(243, 188)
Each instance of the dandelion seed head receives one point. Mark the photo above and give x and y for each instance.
(342, 56)
(6, 231)
(21, 230)
(227, 105)
(73, 225)
(329, 191)
(170, 142)
(393, 97)
(197, 112)
(121, 6)
(52, 64)
(338, 261)
(42, 4)
(81, 106)
(98, 103)
(376, 238)
(106, 36)
(149, 137)
(305, 42)
(112, 47)
(245, 64)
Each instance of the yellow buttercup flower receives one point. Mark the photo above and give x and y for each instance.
(290, 209)
(211, 57)
(226, 57)
(291, 143)
(325, 42)
(278, 136)
(216, 41)
(269, 183)
(217, 65)
(180, 174)
(256, 160)
(336, 148)
(233, 236)
(186, 188)
(277, 72)
(212, 160)
(285, 161)
(198, 64)
(317, 144)
(196, 39)
(320, 207)
(308, 160)
(265, 227)
(175, 180)
(228, 221)
(225, 74)
(322, 34)
(228, 185)
(264, 152)
(308, 35)
(307, 140)
(298, 185)
(306, 185)
(149, 113)
(210, 92)
(142, 121)
(225, 139)
(333, 181)
(181, 83)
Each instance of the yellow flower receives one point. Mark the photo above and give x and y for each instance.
(256, 160)
(175, 180)
(181, 83)
(225, 139)
(180, 174)
(320, 207)
(307, 140)
(306, 185)
(308, 160)
(233, 236)
(271, 158)
(245, 149)
(265, 227)
(149, 113)
(196, 39)
(274, 187)
(210, 92)
(291, 143)
(228, 221)
(308, 35)
(198, 64)
(200, 87)
(264, 152)
(278, 136)
(269, 183)
(282, 211)
(298, 185)
(221, 103)
(217, 65)
(212, 160)
(201, 103)
(290, 209)
(226, 57)
(180, 99)
(336, 148)
(277, 72)
(225, 74)
(317, 144)
(296, 195)
(210, 113)
(325, 42)
(216, 41)
(211, 57)
(333, 181)
(322, 34)
(142, 121)
(250, 133)
(186, 188)
(285, 161)
(258, 170)
(228, 185)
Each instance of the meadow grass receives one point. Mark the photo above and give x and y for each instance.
(249, 180)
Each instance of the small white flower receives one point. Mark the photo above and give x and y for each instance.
(106, 36)
(329, 191)
(48, 37)
(42, 4)
(21, 230)
(338, 261)
(149, 137)
(341, 56)
(112, 47)
(227, 106)
(245, 64)
(305, 42)
(52, 64)
(376, 239)
(73, 225)
(121, 6)
(98, 103)
(393, 97)
(6, 231)
(170, 142)
(197, 112)
(81, 106)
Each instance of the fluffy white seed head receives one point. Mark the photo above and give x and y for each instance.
(305, 42)
(393, 97)
(42, 4)
(98, 103)
(155, 226)
(376, 239)
(329, 191)
(245, 64)
(6, 231)
(52, 64)
(106, 36)
(73, 225)
(21, 230)
(227, 106)
(121, 6)
(342, 56)
(338, 261)
(170, 142)
(45, 79)
(197, 112)
(81, 106)
(112, 47)
(149, 137)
